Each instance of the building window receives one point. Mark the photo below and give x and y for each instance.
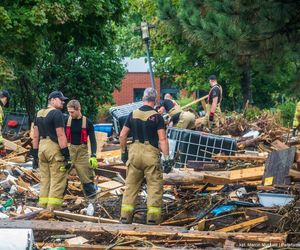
(138, 94)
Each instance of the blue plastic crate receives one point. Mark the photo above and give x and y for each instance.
(104, 127)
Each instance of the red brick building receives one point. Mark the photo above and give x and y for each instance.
(135, 82)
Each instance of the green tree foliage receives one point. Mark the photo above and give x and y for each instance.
(85, 74)
(68, 45)
(252, 38)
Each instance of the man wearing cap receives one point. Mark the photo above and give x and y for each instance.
(78, 130)
(179, 118)
(149, 133)
(213, 109)
(4, 102)
(50, 150)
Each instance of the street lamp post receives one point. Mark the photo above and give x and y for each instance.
(145, 32)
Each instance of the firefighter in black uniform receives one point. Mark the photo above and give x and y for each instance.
(149, 133)
(179, 118)
(51, 152)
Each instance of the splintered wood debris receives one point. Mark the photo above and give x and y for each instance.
(249, 200)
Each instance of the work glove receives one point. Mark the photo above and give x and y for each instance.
(167, 164)
(34, 152)
(67, 161)
(93, 162)
(211, 116)
(294, 132)
(124, 156)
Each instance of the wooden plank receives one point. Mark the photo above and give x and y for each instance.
(108, 154)
(194, 102)
(42, 229)
(214, 177)
(206, 166)
(244, 224)
(18, 159)
(199, 187)
(90, 247)
(79, 217)
(247, 174)
(239, 157)
(273, 217)
(277, 145)
(113, 187)
(13, 146)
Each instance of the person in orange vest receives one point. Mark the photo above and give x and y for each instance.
(78, 130)
(51, 151)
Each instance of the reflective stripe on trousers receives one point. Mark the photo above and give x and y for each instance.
(127, 207)
(154, 210)
(53, 201)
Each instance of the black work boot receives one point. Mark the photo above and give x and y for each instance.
(126, 220)
(153, 219)
(89, 190)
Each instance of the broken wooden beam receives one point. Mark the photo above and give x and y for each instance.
(202, 100)
(214, 177)
(91, 229)
(79, 217)
(239, 158)
(249, 223)
(14, 147)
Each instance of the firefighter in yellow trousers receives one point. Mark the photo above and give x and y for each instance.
(78, 130)
(179, 118)
(4, 102)
(143, 159)
(213, 109)
(51, 152)
(296, 122)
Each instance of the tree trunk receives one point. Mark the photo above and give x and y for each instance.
(246, 80)
(27, 97)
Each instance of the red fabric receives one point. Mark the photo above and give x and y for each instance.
(68, 134)
(12, 123)
(84, 136)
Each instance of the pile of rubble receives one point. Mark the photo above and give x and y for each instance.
(247, 199)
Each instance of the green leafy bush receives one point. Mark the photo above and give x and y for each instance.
(252, 113)
(286, 113)
(103, 113)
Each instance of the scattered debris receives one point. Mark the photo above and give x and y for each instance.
(242, 192)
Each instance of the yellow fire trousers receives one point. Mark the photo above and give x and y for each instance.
(186, 120)
(217, 116)
(53, 181)
(143, 162)
(296, 121)
(80, 160)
